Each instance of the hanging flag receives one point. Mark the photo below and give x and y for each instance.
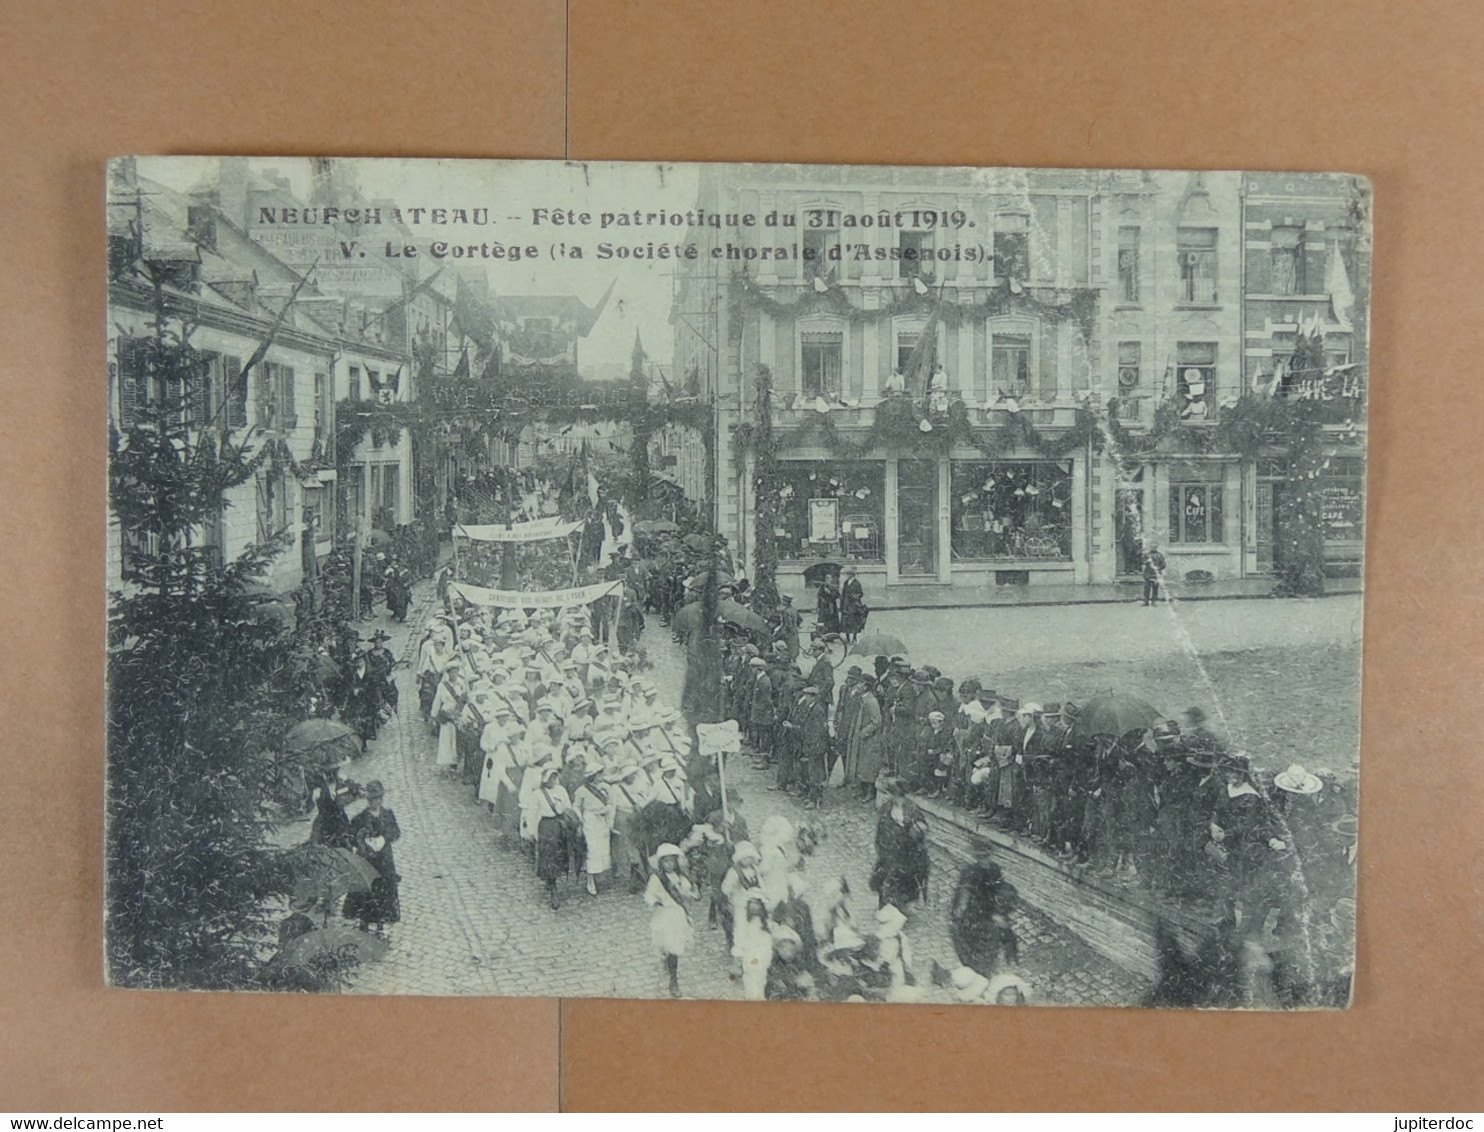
(920, 361)
(625, 534)
(609, 549)
(1337, 283)
(462, 369)
(587, 474)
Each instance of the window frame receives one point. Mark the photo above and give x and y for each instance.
(1189, 245)
(1127, 274)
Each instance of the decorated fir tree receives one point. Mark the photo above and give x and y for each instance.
(198, 682)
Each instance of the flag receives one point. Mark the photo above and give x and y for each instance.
(609, 548)
(462, 369)
(920, 361)
(1337, 283)
(625, 528)
(588, 477)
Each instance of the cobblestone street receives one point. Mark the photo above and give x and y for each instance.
(475, 920)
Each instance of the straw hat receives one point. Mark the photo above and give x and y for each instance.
(1297, 780)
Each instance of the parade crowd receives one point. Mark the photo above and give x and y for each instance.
(548, 717)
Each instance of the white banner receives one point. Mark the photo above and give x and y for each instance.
(517, 532)
(520, 599)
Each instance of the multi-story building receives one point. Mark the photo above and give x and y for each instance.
(1053, 298)
(234, 294)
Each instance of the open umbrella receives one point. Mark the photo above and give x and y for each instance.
(1115, 715)
(340, 943)
(686, 621)
(694, 542)
(340, 871)
(877, 644)
(741, 616)
(328, 740)
(656, 527)
(817, 573)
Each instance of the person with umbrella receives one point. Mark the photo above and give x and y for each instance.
(374, 830)
(853, 608)
(331, 825)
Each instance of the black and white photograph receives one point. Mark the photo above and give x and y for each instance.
(764, 582)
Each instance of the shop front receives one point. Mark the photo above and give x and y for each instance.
(932, 521)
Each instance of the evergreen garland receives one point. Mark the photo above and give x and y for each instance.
(1073, 304)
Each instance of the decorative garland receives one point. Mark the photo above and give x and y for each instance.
(1072, 304)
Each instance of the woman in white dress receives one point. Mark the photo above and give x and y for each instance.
(595, 806)
(447, 703)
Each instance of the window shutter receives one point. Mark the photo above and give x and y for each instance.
(201, 395)
(289, 417)
(128, 383)
(263, 390)
(234, 390)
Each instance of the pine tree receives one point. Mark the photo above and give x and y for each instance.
(198, 679)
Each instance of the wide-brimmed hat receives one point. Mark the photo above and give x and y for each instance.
(845, 938)
(1009, 703)
(668, 849)
(1030, 707)
(899, 662)
(1297, 780)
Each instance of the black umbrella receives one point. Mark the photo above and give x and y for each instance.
(340, 943)
(815, 574)
(327, 740)
(741, 616)
(1116, 715)
(878, 644)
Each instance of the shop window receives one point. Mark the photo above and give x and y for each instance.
(916, 251)
(1195, 373)
(1011, 509)
(831, 509)
(821, 361)
(1128, 264)
(1012, 246)
(1195, 249)
(1196, 513)
(1287, 258)
(1010, 364)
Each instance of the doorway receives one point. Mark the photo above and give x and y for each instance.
(917, 518)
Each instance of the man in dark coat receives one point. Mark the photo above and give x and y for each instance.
(853, 610)
(762, 715)
(813, 745)
(822, 674)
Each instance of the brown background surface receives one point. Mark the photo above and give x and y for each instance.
(1390, 91)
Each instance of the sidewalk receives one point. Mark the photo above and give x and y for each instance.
(881, 597)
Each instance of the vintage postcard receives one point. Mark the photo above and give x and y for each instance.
(770, 582)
